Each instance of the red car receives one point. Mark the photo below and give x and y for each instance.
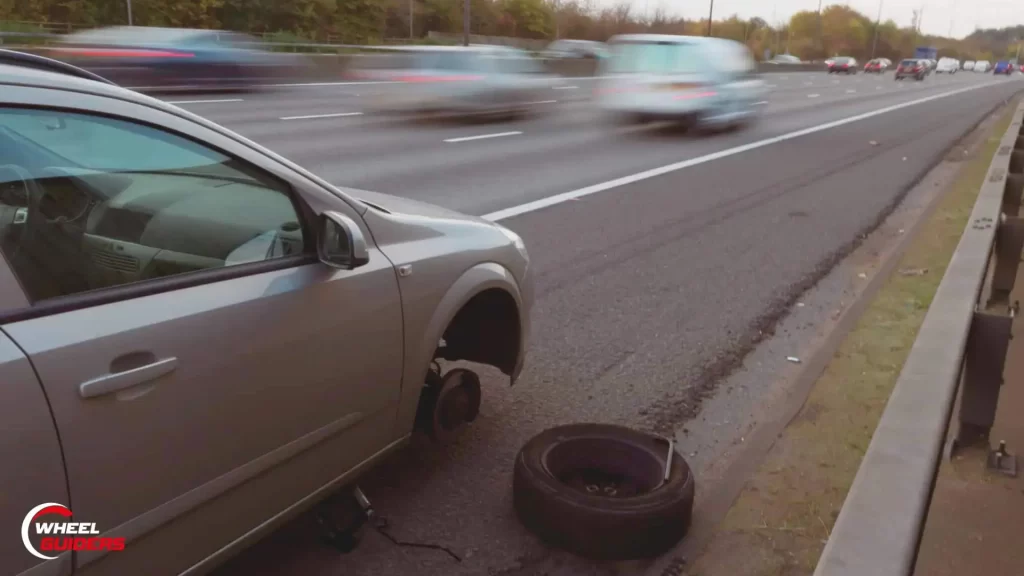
(842, 64)
(877, 66)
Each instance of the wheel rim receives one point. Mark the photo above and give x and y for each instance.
(604, 467)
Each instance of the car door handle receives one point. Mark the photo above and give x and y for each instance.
(121, 380)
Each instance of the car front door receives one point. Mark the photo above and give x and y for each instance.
(204, 370)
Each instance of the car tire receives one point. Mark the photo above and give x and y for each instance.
(565, 490)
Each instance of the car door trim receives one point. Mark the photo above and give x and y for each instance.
(139, 526)
(152, 286)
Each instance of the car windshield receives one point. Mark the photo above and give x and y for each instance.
(656, 58)
(841, 60)
(908, 62)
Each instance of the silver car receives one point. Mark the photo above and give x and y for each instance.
(460, 80)
(700, 81)
(199, 338)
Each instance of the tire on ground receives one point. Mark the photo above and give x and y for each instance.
(552, 496)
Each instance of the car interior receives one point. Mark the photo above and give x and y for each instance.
(164, 207)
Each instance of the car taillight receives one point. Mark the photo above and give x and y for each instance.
(456, 78)
(122, 53)
(694, 95)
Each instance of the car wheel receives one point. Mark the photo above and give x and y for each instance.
(600, 491)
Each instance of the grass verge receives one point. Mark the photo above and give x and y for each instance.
(779, 524)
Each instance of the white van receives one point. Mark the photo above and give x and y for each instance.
(982, 66)
(707, 82)
(968, 65)
(948, 65)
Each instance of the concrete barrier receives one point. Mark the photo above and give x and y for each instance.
(879, 528)
(330, 65)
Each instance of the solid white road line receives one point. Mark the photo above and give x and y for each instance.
(813, 95)
(311, 116)
(481, 137)
(564, 87)
(771, 85)
(204, 101)
(544, 102)
(851, 91)
(647, 174)
(761, 103)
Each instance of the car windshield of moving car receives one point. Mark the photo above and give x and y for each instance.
(841, 61)
(656, 58)
(90, 202)
(908, 63)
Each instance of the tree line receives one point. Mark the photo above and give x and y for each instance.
(838, 30)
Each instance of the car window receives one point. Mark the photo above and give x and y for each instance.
(516, 64)
(95, 202)
(655, 58)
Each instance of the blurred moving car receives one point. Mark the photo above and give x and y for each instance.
(575, 49)
(175, 58)
(877, 65)
(947, 65)
(199, 302)
(968, 65)
(492, 80)
(784, 59)
(696, 80)
(842, 64)
(912, 68)
(982, 66)
(1003, 67)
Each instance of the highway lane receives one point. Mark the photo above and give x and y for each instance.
(646, 292)
(477, 176)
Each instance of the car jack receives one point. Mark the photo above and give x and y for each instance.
(341, 519)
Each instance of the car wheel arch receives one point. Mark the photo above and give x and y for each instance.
(479, 320)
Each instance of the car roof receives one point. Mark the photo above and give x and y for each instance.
(31, 77)
(137, 34)
(668, 38)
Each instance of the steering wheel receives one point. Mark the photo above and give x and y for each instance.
(29, 215)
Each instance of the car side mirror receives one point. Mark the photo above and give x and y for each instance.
(340, 242)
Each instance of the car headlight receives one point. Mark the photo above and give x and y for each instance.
(519, 244)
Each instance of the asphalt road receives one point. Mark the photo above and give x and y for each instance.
(648, 291)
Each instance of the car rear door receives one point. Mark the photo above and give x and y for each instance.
(201, 384)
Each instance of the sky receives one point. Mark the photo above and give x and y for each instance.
(939, 16)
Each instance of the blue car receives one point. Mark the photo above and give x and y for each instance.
(1003, 67)
(166, 58)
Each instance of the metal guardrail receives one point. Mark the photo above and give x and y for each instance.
(961, 340)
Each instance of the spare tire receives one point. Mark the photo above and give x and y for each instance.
(599, 491)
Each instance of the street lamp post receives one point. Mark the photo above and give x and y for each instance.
(821, 44)
(129, 12)
(711, 12)
(878, 20)
(465, 23)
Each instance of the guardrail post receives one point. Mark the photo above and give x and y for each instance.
(1009, 242)
(985, 356)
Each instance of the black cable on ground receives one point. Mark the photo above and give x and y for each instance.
(381, 526)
